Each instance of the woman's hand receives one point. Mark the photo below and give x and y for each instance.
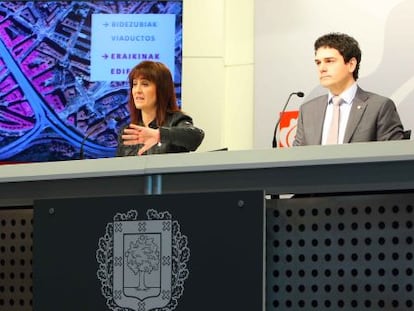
(135, 134)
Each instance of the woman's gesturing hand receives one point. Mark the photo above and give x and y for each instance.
(135, 134)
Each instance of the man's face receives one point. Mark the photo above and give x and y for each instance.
(334, 73)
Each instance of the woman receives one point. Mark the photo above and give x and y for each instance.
(157, 124)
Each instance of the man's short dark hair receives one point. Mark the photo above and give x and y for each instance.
(347, 46)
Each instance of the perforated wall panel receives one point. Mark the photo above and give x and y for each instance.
(16, 228)
(340, 253)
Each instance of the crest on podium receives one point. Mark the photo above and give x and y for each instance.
(142, 262)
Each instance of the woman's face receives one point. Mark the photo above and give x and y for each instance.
(144, 93)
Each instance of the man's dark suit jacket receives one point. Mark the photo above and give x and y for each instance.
(372, 118)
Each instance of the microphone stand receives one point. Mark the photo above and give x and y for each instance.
(89, 133)
(274, 142)
(81, 152)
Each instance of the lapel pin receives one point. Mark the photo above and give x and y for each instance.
(358, 107)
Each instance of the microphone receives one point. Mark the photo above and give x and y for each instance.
(299, 94)
(89, 133)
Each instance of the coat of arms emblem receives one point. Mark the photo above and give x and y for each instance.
(142, 262)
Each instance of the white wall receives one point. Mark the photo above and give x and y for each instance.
(217, 83)
(284, 58)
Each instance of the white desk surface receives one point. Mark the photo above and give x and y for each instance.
(210, 161)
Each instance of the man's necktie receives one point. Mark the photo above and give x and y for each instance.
(334, 128)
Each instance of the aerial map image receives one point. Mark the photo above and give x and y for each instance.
(64, 72)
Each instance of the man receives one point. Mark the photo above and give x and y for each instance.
(361, 116)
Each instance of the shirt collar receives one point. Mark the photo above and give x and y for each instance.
(347, 95)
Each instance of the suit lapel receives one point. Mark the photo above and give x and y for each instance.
(318, 118)
(358, 108)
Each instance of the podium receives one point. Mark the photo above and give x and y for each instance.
(313, 246)
(166, 252)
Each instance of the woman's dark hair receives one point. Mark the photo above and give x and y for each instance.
(347, 46)
(166, 101)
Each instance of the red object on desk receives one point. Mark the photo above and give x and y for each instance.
(9, 162)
